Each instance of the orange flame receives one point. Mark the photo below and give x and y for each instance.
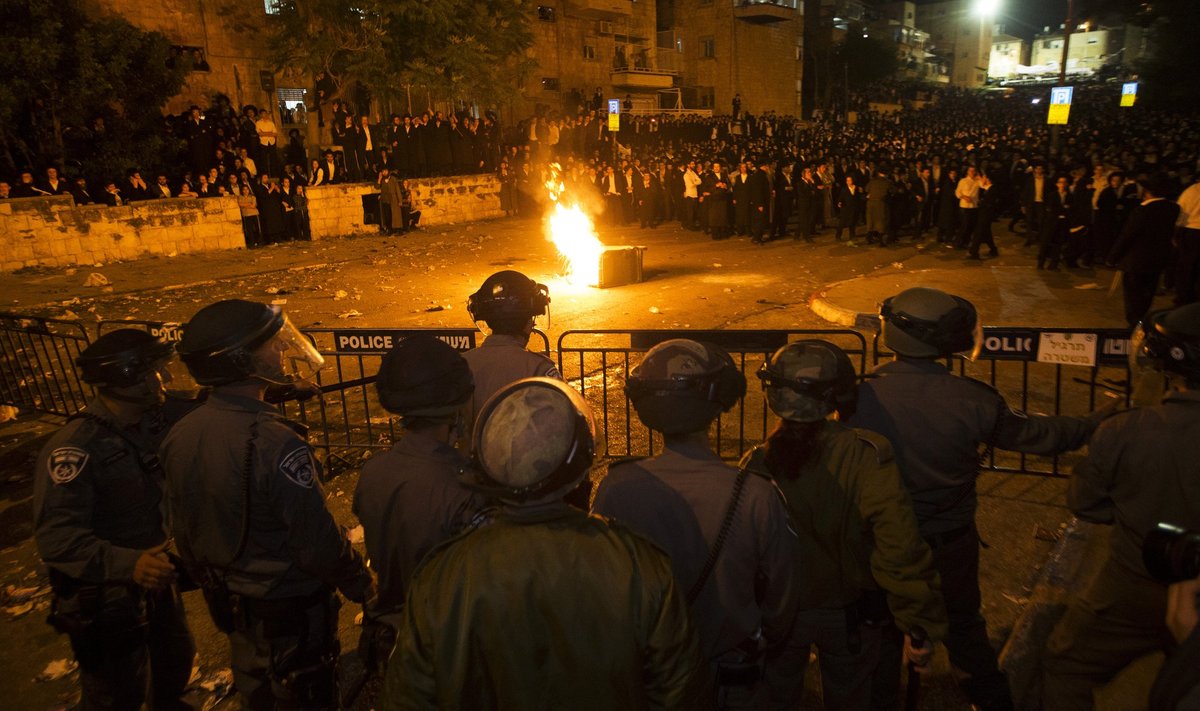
(574, 235)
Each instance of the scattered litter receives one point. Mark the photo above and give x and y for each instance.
(19, 610)
(1016, 600)
(7, 412)
(272, 290)
(1090, 286)
(355, 535)
(1044, 534)
(69, 315)
(654, 310)
(717, 265)
(195, 675)
(434, 308)
(172, 254)
(96, 279)
(72, 302)
(219, 686)
(278, 302)
(358, 620)
(898, 265)
(106, 289)
(340, 294)
(13, 594)
(71, 271)
(728, 290)
(352, 313)
(57, 669)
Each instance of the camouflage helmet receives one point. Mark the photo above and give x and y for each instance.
(929, 323)
(534, 438)
(682, 385)
(807, 380)
(1169, 342)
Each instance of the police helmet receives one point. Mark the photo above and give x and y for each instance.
(682, 385)
(807, 380)
(1169, 341)
(423, 377)
(534, 440)
(222, 344)
(507, 299)
(123, 358)
(929, 323)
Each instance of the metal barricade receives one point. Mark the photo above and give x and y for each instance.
(1051, 371)
(37, 364)
(598, 363)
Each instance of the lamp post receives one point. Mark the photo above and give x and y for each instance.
(1062, 71)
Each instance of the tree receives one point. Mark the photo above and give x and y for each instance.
(62, 70)
(458, 49)
(1174, 63)
(864, 59)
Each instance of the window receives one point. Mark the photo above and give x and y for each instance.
(589, 52)
(545, 13)
(271, 7)
(708, 47)
(549, 83)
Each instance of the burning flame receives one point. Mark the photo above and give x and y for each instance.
(573, 234)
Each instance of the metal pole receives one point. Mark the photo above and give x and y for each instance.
(1062, 71)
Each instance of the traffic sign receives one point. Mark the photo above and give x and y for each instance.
(1129, 93)
(614, 106)
(1060, 105)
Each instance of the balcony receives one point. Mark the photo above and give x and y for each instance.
(600, 9)
(642, 78)
(764, 12)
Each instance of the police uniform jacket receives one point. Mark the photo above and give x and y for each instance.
(678, 500)
(501, 360)
(408, 500)
(1141, 468)
(857, 529)
(235, 468)
(547, 608)
(97, 494)
(936, 422)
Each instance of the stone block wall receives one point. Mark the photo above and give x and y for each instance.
(337, 210)
(54, 232)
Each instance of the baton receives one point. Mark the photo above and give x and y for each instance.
(912, 693)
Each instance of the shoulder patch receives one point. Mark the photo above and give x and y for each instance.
(65, 463)
(881, 445)
(297, 466)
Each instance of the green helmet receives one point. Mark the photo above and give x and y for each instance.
(682, 385)
(807, 380)
(533, 440)
(929, 323)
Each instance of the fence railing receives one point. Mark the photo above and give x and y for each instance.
(37, 364)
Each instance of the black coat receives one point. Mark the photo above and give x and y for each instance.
(1144, 245)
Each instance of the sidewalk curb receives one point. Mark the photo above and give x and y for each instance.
(840, 315)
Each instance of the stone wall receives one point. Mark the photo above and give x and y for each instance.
(337, 210)
(54, 232)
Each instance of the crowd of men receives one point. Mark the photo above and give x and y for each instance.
(496, 578)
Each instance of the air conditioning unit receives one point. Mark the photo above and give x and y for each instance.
(604, 27)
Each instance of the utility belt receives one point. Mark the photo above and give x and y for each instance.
(234, 612)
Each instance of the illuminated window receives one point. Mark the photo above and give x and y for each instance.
(708, 47)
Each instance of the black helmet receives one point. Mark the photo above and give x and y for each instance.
(533, 440)
(506, 298)
(122, 358)
(219, 344)
(929, 323)
(1169, 341)
(807, 380)
(682, 385)
(423, 377)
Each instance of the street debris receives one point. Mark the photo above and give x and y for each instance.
(355, 535)
(96, 279)
(352, 313)
(1044, 534)
(57, 669)
(654, 310)
(8, 412)
(1090, 286)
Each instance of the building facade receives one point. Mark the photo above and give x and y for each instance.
(1091, 48)
(1008, 53)
(961, 37)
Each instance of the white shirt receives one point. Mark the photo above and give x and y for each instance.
(263, 126)
(1039, 188)
(967, 193)
(691, 181)
(1189, 207)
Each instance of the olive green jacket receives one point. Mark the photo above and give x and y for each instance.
(857, 529)
(547, 608)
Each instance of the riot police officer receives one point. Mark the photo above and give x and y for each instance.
(726, 531)
(1140, 470)
(99, 528)
(859, 547)
(507, 302)
(409, 499)
(249, 515)
(937, 422)
(545, 607)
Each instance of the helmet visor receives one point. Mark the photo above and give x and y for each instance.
(287, 358)
(1147, 382)
(977, 342)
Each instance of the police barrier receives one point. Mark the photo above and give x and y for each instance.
(598, 362)
(37, 364)
(1052, 371)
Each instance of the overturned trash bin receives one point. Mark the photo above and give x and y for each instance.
(620, 265)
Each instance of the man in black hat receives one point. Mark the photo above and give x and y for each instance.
(1143, 250)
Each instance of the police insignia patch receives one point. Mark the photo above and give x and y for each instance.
(66, 463)
(297, 466)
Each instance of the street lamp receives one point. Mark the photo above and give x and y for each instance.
(987, 8)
